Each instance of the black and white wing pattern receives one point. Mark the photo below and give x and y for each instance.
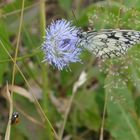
(109, 43)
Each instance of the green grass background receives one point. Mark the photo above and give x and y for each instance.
(114, 83)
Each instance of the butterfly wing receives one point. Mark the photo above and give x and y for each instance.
(109, 43)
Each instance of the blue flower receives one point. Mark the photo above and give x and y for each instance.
(60, 44)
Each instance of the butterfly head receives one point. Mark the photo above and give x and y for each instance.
(82, 35)
(82, 38)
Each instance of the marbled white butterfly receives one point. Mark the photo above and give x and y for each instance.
(109, 43)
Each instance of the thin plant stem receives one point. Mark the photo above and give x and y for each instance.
(42, 17)
(16, 66)
(17, 46)
(44, 68)
(19, 10)
(26, 81)
(103, 118)
(8, 129)
(66, 115)
(20, 58)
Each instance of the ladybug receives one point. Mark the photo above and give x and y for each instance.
(15, 118)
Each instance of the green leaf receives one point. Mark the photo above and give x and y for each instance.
(122, 121)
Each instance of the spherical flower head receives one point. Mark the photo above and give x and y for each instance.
(60, 44)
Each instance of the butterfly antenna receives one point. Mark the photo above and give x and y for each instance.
(73, 13)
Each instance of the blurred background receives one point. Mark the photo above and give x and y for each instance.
(111, 86)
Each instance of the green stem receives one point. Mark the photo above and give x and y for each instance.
(42, 17)
(45, 79)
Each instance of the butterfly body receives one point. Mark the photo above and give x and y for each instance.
(109, 43)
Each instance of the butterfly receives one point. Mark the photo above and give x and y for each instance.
(109, 43)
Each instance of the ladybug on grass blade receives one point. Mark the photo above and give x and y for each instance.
(15, 118)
